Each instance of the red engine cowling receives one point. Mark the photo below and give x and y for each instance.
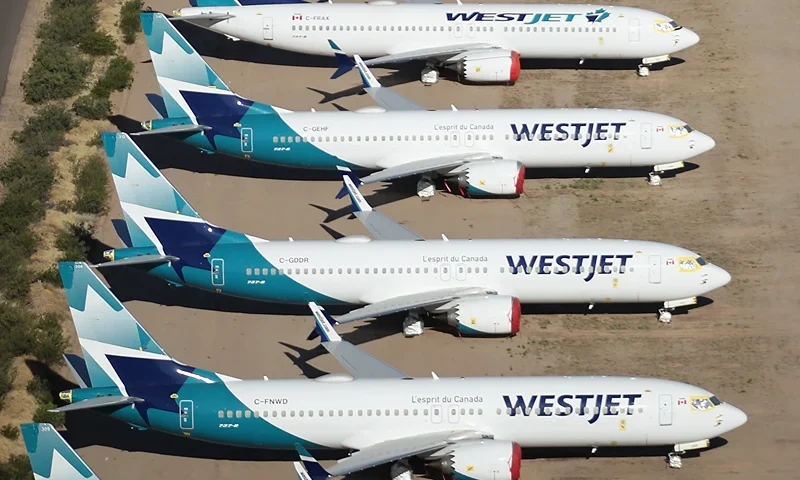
(482, 460)
(490, 66)
(484, 315)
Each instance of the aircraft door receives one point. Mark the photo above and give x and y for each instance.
(457, 29)
(461, 272)
(655, 268)
(452, 413)
(217, 272)
(186, 408)
(646, 130)
(436, 414)
(445, 272)
(266, 27)
(247, 140)
(454, 139)
(633, 30)
(665, 410)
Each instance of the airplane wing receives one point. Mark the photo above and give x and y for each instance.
(378, 224)
(217, 17)
(138, 260)
(425, 165)
(385, 452)
(172, 129)
(359, 363)
(99, 402)
(433, 52)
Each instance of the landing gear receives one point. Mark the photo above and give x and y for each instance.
(654, 177)
(674, 460)
(413, 325)
(429, 76)
(664, 315)
(401, 470)
(425, 187)
(644, 70)
(644, 67)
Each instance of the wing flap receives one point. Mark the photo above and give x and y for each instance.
(412, 301)
(425, 53)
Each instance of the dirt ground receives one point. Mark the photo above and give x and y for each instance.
(739, 209)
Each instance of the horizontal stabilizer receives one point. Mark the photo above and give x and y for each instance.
(204, 16)
(99, 402)
(174, 129)
(157, 102)
(140, 260)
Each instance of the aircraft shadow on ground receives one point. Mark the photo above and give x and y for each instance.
(602, 172)
(608, 308)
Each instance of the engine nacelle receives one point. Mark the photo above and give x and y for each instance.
(482, 460)
(489, 66)
(490, 178)
(486, 315)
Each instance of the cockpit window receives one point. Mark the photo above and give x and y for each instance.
(674, 25)
(715, 400)
(701, 261)
(688, 128)
(703, 402)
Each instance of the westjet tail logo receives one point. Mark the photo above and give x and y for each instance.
(596, 16)
(591, 265)
(584, 405)
(560, 132)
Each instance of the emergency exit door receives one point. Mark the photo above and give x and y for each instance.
(646, 130)
(633, 29)
(655, 269)
(266, 26)
(665, 410)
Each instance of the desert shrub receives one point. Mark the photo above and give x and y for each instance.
(92, 107)
(17, 467)
(39, 388)
(44, 132)
(98, 43)
(43, 416)
(28, 176)
(129, 23)
(95, 141)
(118, 77)
(7, 375)
(17, 211)
(9, 431)
(91, 186)
(69, 22)
(16, 323)
(51, 276)
(15, 280)
(48, 342)
(73, 241)
(56, 73)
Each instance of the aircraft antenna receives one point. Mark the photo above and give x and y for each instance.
(444, 237)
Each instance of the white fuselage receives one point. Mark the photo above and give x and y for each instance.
(534, 31)
(336, 411)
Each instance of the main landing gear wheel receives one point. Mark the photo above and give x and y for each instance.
(674, 460)
(413, 325)
(425, 187)
(401, 470)
(664, 315)
(429, 75)
(644, 70)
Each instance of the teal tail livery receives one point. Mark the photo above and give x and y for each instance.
(51, 456)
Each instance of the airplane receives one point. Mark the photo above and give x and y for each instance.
(472, 426)
(475, 286)
(481, 43)
(52, 458)
(479, 152)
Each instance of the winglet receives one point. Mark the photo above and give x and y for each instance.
(351, 184)
(344, 63)
(367, 77)
(325, 324)
(309, 464)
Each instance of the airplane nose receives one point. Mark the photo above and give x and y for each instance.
(702, 142)
(689, 38)
(722, 277)
(735, 418)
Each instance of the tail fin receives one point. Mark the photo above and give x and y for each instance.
(117, 350)
(190, 87)
(215, 3)
(344, 63)
(145, 195)
(51, 457)
(310, 464)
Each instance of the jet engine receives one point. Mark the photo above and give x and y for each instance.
(488, 177)
(481, 460)
(489, 66)
(485, 315)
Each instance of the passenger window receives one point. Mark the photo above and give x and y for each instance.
(274, 139)
(415, 412)
(247, 414)
(405, 412)
(300, 413)
(238, 414)
(221, 414)
(480, 411)
(229, 414)
(283, 413)
(290, 139)
(249, 271)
